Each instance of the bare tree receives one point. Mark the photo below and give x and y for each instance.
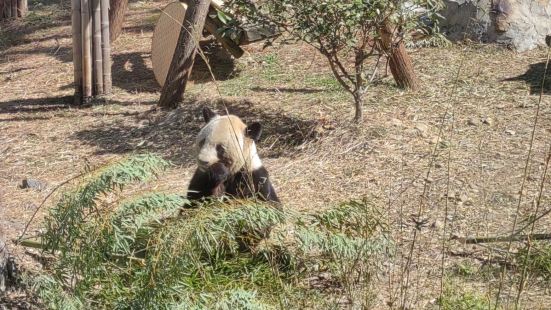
(117, 10)
(399, 60)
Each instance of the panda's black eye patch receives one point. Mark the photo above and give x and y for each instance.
(222, 155)
(220, 151)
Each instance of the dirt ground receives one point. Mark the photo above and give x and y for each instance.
(315, 156)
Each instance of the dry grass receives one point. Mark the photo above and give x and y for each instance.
(315, 157)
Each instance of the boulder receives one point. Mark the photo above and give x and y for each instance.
(519, 24)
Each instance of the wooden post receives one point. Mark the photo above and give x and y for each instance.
(86, 49)
(400, 62)
(97, 52)
(106, 46)
(182, 60)
(77, 49)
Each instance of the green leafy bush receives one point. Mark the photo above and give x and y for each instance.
(537, 260)
(454, 299)
(158, 251)
(346, 32)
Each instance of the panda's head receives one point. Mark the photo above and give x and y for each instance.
(227, 140)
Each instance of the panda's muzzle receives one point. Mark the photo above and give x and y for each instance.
(218, 173)
(203, 164)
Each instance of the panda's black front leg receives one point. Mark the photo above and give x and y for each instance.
(208, 182)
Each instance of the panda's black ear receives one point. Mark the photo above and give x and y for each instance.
(254, 131)
(208, 114)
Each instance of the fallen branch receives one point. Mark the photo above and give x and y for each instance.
(503, 239)
(44, 201)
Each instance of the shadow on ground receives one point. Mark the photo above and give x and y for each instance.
(534, 77)
(131, 73)
(35, 105)
(15, 32)
(52, 104)
(287, 90)
(172, 133)
(220, 61)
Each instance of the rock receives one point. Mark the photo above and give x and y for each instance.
(396, 122)
(34, 184)
(473, 122)
(464, 198)
(436, 225)
(488, 121)
(443, 144)
(422, 129)
(520, 24)
(451, 195)
(510, 132)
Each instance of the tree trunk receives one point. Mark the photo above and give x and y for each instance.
(182, 60)
(400, 62)
(358, 104)
(117, 9)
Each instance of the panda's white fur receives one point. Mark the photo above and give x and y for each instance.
(228, 161)
(240, 148)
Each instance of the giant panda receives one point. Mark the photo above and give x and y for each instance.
(228, 162)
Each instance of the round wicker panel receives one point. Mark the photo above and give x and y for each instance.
(165, 38)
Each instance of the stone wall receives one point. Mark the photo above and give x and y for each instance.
(520, 24)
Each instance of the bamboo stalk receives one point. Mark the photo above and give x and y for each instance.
(3, 9)
(106, 47)
(32, 243)
(86, 48)
(22, 8)
(14, 8)
(6, 10)
(77, 49)
(97, 53)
